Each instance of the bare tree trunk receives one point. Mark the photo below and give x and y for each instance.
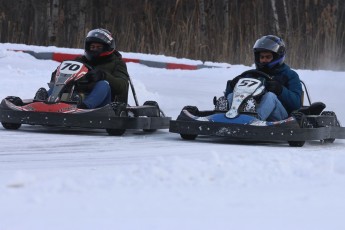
(82, 17)
(213, 30)
(39, 27)
(52, 20)
(203, 31)
(286, 16)
(275, 16)
(226, 27)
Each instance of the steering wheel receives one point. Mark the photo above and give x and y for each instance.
(255, 74)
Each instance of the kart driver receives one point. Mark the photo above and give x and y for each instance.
(284, 92)
(107, 80)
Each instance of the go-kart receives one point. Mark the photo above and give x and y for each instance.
(61, 108)
(241, 121)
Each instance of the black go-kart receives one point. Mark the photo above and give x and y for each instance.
(241, 122)
(60, 108)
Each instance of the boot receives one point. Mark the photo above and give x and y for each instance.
(41, 94)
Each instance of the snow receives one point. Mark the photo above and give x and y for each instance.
(54, 178)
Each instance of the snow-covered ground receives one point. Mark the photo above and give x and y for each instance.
(52, 178)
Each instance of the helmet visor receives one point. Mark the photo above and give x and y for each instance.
(267, 44)
(101, 35)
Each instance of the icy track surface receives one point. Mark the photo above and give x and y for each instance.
(53, 178)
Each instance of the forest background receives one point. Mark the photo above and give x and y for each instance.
(207, 30)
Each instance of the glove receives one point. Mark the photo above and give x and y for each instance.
(89, 80)
(274, 87)
(95, 75)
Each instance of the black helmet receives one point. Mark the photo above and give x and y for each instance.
(102, 36)
(269, 43)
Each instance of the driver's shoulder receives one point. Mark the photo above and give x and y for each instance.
(286, 72)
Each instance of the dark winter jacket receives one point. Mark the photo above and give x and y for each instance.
(116, 74)
(292, 87)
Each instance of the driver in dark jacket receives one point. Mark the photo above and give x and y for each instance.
(284, 90)
(107, 81)
(108, 67)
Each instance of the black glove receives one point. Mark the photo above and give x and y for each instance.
(274, 87)
(95, 75)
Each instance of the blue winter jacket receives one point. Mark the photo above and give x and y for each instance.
(292, 87)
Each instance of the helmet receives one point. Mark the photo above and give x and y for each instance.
(102, 36)
(269, 43)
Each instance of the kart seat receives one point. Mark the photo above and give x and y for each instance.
(314, 109)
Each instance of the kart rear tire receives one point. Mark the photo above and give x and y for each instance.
(116, 132)
(337, 124)
(121, 111)
(16, 101)
(152, 103)
(330, 140)
(303, 123)
(189, 137)
(11, 126)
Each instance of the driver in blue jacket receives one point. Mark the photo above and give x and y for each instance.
(284, 91)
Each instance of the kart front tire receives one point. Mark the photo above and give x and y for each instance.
(11, 126)
(188, 136)
(296, 143)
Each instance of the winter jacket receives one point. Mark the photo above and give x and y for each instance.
(116, 74)
(292, 87)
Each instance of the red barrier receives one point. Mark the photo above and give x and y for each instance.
(60, 57)
(131, 60)
(181, 66)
